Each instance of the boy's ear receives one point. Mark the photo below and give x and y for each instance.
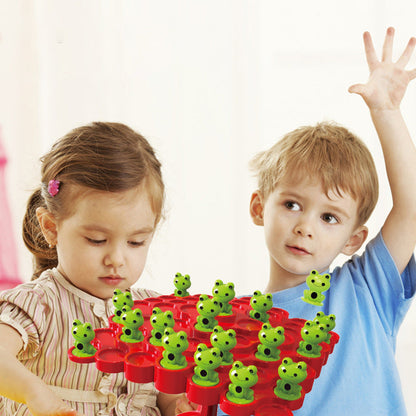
(355, 241)
(47, 224)
(256, 208)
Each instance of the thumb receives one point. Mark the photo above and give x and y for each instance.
(357, 89)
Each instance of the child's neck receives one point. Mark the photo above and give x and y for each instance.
(281, 279)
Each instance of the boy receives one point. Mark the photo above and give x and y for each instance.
(317, 188)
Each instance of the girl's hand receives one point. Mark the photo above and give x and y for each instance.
(388, 80)
(45, 403)
(184, 405)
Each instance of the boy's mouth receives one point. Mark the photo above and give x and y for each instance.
(300, 251)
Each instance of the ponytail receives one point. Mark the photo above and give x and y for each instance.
(44, 257)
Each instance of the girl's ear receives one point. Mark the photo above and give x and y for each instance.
(256, 208)
(47, 224)
(355, 241)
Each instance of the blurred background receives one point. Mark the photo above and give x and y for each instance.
(209, 83)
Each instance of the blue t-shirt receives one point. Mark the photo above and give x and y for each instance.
(369, 299)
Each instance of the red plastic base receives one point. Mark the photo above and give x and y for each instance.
(140, 361)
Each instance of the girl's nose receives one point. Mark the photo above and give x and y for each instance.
(114, 258)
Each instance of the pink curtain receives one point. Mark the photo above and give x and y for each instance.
(8, 253)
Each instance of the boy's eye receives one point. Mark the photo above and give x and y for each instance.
(95, 242)
(329, 218)
(293, 206)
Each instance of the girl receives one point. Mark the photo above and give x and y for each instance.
(89, 227)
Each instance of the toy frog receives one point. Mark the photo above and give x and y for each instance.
(260, 304)
(206, 360)
(223, 294)
(208, 309)
(270, 339)
(132, 320)
(175, 343)
(182, 284)
(327, 321)
(160, 321)
(224, 341)
(291, 375)
(121, 300)
(242, 378)
(317, 284)
(312, 335)
(83, 334)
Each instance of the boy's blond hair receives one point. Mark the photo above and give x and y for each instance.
(327, 151)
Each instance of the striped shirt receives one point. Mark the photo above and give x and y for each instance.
(42, 311)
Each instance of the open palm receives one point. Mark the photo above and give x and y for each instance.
(388, 80)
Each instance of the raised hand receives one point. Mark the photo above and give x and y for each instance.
(388, 80)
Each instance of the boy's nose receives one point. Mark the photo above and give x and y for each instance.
(303, 229)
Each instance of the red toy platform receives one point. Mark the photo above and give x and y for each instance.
(140, 361)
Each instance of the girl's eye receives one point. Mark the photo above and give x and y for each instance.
(292, 206)
(95, 242)
(137, 243)
(329, 218)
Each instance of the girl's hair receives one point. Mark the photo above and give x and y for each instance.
(327, 151)
(101, 156)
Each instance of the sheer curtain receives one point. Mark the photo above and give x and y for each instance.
(209, 83)
(9, 275)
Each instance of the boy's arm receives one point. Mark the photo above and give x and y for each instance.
(383, 94)
(174, 404)
(19, 384)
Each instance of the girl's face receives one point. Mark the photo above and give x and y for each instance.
(103, 245)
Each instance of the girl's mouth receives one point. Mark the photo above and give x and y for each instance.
(111, 280)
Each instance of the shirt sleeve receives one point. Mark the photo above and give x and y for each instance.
(140, 399)
(24, 310)
(391, 291)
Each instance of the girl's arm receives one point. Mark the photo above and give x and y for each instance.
(383, 94)
(21, 385)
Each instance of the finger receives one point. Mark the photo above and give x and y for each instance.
(412, 73)
(407, 53)
(370, 52)
(357, 89)
(388, 45)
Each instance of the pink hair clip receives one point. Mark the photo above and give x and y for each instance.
(53, 187)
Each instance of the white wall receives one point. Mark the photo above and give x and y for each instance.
(209, 83)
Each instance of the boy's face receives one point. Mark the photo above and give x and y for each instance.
(305, 229)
